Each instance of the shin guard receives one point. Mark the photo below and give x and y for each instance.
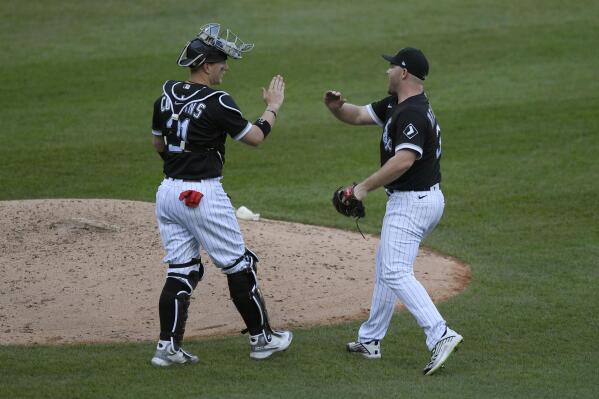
(173, 307)
(174, 303)
(243, 287)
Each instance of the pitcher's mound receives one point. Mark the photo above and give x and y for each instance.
(91, 271)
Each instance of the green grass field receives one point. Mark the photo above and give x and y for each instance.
(514, 86)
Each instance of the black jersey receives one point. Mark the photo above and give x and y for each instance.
(194, 121)
(410, 125)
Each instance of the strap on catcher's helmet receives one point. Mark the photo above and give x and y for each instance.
(211, 46)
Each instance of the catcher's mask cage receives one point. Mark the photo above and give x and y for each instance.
(212, 45)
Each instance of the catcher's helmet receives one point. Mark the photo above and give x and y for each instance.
(196, 52)
(209, 46)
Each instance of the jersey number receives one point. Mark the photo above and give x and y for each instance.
(182, 127)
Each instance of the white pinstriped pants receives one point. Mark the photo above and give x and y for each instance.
(211, 226)
(409, 218)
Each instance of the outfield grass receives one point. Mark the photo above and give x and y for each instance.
(514, 87)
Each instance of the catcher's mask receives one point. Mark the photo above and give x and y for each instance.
(212, 45)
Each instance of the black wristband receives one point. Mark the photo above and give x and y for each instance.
(273, 112)
(162, 155)
(263, 125)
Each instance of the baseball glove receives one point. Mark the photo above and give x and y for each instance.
(346, 203)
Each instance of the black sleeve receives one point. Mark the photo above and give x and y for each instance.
(156, 123)
(378, 109)
(410, 132)
(230, 118)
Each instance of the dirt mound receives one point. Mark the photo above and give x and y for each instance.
(91, 271)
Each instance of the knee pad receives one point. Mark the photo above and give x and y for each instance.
(248, 257)
(189, 273)
(244, 291)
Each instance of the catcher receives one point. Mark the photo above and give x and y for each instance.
(190, 125)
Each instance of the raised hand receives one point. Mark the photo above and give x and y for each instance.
(275, 94)
(333, 99)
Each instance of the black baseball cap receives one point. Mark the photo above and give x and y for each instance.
(412, 59)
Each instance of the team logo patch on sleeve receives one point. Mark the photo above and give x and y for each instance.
(410, 131)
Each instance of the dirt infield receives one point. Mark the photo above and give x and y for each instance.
(91, 271)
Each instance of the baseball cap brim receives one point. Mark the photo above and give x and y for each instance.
(393, 59)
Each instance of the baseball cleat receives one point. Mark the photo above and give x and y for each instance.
(265, 344)
(370, 349)
(442, 350)
(166, 355)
